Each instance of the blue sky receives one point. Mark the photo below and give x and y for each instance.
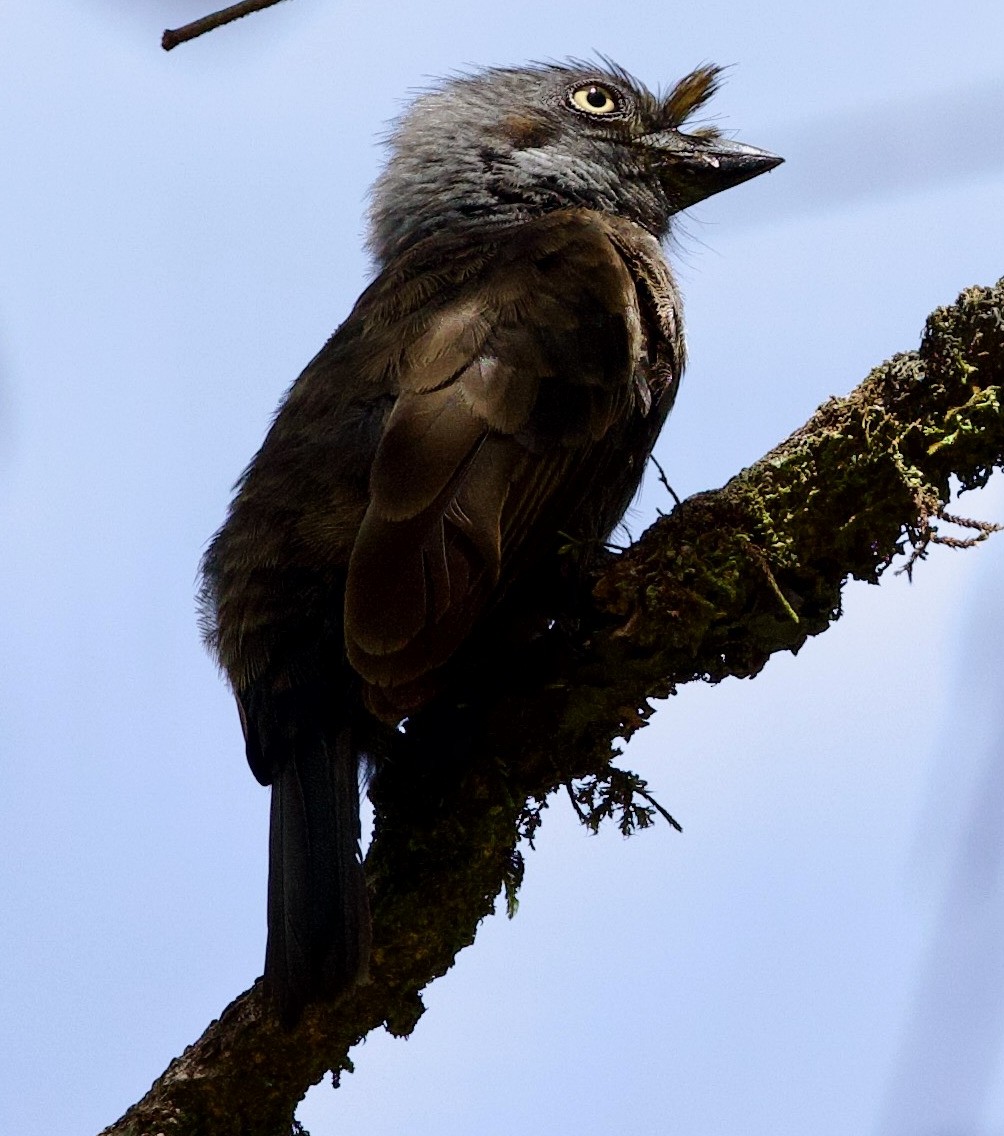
(179, 234)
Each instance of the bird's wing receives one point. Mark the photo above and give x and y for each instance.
(504, 390)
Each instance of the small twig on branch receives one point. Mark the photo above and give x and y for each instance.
(984, 530)
(665, 481)
(173, 36)
(665, 814)
(575, 804)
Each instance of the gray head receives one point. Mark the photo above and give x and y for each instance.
(505, 145)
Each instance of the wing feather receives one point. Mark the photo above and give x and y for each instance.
(505, 391)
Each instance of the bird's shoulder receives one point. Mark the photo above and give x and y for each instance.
(574, 279)
(574, 249)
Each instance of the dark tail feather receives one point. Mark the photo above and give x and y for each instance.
(318, 912)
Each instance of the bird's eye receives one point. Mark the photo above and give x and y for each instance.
(594, 98)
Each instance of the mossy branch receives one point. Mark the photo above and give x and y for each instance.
(714, 589)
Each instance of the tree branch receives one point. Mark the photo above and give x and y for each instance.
(173, 36)
(712, 590)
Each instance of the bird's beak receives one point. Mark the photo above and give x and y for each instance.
(694, 168)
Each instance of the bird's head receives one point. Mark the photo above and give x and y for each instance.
(505, 145)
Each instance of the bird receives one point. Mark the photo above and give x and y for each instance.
(490, 402)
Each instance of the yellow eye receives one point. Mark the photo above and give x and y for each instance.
(594, 98)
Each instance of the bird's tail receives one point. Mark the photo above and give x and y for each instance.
(318, 912)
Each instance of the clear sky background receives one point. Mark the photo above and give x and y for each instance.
(821, 950)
